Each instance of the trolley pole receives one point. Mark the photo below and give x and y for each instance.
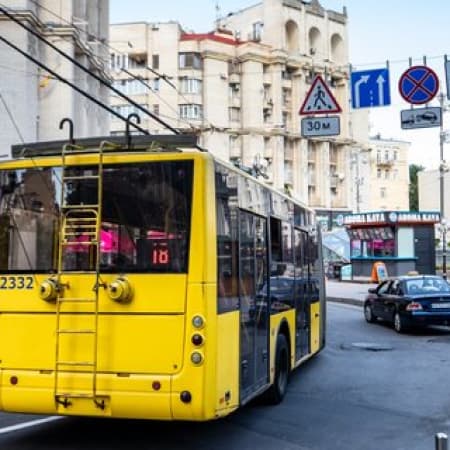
(441, 190)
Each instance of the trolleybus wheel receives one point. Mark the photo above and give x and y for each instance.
(277, 391)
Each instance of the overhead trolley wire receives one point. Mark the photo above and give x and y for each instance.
(73, 86)
(80, 66)
(159, 75)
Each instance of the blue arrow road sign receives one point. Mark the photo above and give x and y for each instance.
(370, 88)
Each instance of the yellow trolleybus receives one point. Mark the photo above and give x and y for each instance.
(150, 281)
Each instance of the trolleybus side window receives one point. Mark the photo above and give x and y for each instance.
(28, 220)
(227, 243)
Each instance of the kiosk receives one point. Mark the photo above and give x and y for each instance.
(403, 240)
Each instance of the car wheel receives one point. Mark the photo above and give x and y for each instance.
(276, 392)
(368, 314)
(399, 324)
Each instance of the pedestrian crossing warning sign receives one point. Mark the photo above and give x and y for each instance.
(319, 99)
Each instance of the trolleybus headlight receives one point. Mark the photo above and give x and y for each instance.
(198, 322)
(197, 339)
(120, 290)
(48, 290)
(196, 357)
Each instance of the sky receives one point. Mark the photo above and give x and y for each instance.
(378, 31)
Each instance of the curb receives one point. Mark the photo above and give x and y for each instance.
(348, 301)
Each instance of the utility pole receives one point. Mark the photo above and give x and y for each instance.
(442, 167)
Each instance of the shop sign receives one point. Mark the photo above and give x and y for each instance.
(392, 217)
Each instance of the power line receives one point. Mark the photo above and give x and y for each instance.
(80, 66)
(11, 117)
(73, 86)
(161, 76)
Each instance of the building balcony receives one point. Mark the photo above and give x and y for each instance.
(235, 101)
(268, 152)
(234, 78)
(267, 78)
(385, 162)
(267, 103)
(235, 152)
(286, 83)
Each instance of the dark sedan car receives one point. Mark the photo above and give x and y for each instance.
(409, 301)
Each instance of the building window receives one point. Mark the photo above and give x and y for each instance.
(378, 173)
(383, 192)
(190, 86)
(191, 111)
(235, 114)
(378, 156)
(235, 91)
(156, 110)
(131, 86)
(155, 61)
(257, 29)
(189, 60)
(156, 84)
(386, 174)
(233, 67)
(126, 110)
(286, 94)
(386, 155)
(395, 155)
(119, 62)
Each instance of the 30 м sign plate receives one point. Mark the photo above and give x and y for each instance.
(321, 126)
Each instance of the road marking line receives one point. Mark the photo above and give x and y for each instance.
(32, 423)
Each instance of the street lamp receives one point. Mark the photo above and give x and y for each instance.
(443, 139)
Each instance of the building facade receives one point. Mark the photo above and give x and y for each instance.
(389, 176)
(32, 101)
(241, 87)
(429, 187)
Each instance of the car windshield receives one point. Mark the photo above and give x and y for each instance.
(427, 285)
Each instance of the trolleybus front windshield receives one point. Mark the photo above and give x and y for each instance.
(146, 214)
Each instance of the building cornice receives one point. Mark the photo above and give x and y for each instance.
(315, 8)
(211, 54)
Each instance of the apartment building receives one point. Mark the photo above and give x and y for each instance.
(32, 101)
(387, 188)
(241, 86)
(429, 187)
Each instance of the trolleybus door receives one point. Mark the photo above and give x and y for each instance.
(302, 294)
(253, 304)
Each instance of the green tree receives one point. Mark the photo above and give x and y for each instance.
(414, 169)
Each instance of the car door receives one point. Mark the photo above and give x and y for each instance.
(392, 299)
(379, 299)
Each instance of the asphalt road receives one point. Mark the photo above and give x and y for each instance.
(369, 389)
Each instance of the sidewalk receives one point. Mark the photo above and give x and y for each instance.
(347, 292)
